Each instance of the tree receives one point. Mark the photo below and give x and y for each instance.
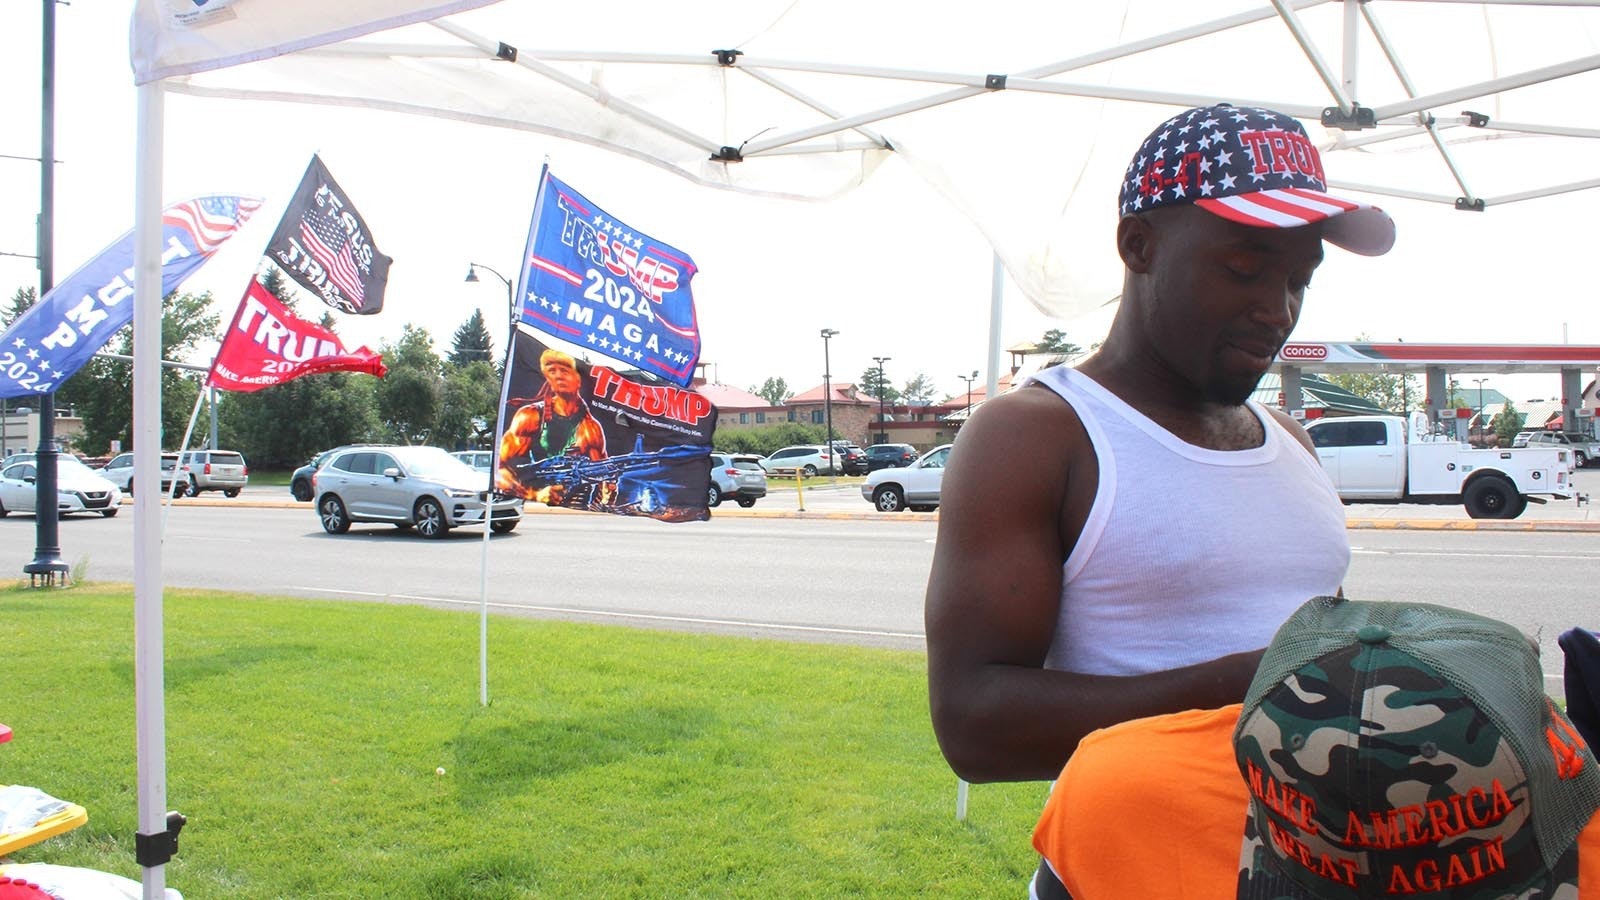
(1055, 341)
(19, 303)
(767, 438)
(102, 391)
(410, 397)
(918, 390)
(472, 342)
(1395, 393)
(470, 400)
(774, 391)
(878, 388)
(1507, 423)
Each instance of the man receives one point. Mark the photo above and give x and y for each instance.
(1120, 540)
(1383, 749)
(556, 422)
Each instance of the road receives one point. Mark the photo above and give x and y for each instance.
(821, 579)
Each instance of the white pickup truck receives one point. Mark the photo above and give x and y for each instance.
(1377, 458)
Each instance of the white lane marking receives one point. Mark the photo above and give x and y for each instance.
(1586, 557)
(573, 610)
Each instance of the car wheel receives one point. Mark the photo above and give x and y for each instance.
(108, 513)
(714, 496)
(1581, 458)
(3, 511)
(1493, 497)
(178, 488)
(810, 471)
(231, 492)
(746, 502)
(888, 498)
(194, 487)
(332, 513)
(504, 526)
(300, 490)
(429, 518)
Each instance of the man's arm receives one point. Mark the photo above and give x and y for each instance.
(1022, 476)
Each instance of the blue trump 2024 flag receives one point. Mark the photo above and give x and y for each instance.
(57, 335)
(596, 282)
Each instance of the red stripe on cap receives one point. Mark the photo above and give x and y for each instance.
(1320, 197)
(1293, 210)
(1233, 214)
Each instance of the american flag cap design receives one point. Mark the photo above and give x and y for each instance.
(1252, 166)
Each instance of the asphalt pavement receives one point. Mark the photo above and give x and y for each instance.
(843, 500)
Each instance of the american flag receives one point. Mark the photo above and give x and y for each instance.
(210, 220)
(330, 246)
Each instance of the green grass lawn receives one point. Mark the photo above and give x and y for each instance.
(303, 740)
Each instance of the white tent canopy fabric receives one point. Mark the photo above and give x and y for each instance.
(812, 95)
(1469, 104)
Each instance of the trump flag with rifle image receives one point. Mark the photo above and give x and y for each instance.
(592, 437)
(323, 244)
(600, 284)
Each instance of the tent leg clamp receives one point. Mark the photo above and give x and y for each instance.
(1470, 204)
(1359, 117)
(505, 52)
(151, 850)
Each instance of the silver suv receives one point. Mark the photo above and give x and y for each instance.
(1583, 447)
(215, 470)
(737, 476)
(421, 487)
(119, 471)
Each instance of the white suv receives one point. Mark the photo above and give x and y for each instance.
(738, 477)
(914, 487)
(806, 458)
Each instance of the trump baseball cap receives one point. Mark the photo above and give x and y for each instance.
(1408, 750)
(1252, 166)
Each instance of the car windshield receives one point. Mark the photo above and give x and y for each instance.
(66, 465)
(747, 464)
(431, 462)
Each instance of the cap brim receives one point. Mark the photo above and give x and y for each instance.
(1357, 227)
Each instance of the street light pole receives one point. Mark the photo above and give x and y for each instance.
(969, 379)
(883, 436)
(511, 303)
(827, 394)
(1480, 382)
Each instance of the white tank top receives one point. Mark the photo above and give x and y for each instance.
(1188, 554)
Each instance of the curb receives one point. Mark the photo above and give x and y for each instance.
(1352, 524)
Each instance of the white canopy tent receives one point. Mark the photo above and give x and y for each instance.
(1450, 102)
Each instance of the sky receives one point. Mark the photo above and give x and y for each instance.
(892, 266)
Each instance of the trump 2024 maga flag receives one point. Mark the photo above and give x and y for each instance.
(597, 282)
(52, 340)
(323, 244)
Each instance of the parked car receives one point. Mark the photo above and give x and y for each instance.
(888, 456)
(408, 487)
(79, 489)
(215, 470)
(1521, 440)
(482, 460)
(300, 479)
(737, 476)
(852, 459)
(806, 458)
(1583, 447)
(119, 471)
(914, 487)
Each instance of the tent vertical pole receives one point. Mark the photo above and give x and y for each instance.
(997, 289)
(149, 684)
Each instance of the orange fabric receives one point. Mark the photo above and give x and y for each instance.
(1155, 807)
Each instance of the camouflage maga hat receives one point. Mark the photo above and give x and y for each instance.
(1408, 749)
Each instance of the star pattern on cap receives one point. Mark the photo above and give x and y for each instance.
(1219, 151)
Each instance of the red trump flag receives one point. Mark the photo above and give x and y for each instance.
(268, 345)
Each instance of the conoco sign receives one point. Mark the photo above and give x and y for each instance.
(1304, 351)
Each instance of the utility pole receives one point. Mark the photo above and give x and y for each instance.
(883, 436)
(827, 395)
